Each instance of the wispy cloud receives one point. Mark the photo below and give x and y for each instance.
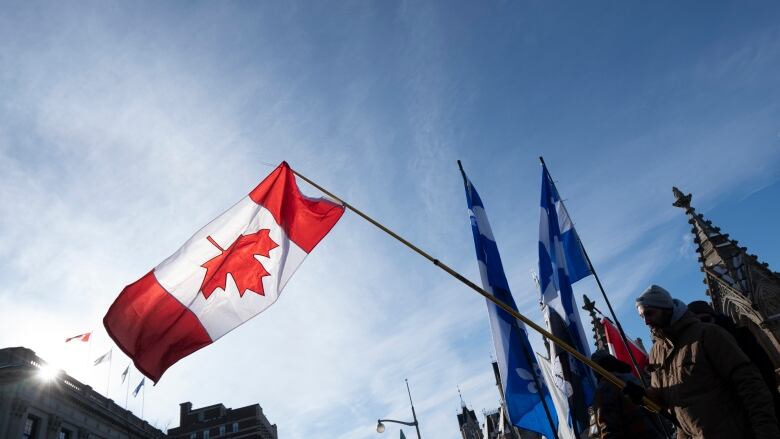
(123, 131)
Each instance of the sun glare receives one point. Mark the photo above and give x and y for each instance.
(47, 373)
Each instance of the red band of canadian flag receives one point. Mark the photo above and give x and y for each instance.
(81, 337)
(229, 271)
(619, 351)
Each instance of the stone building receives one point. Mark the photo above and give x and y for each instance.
(493, 428)
(497, 425)
(738, 285)
(468, 423)
(39, 403)
(493, 421)
(217, 421)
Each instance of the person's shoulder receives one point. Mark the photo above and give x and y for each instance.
(714, 330)
(686, 324)
(715, 336)
(725, 322)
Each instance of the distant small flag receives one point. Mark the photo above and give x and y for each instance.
(103, 358)
(402, 435)
(124, 374)
(138, 387)
(81, 337)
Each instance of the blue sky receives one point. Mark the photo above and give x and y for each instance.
(125, 127)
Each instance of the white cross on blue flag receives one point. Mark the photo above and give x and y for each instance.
(518, 369)
(562, 262)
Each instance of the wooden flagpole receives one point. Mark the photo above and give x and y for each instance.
(649, 403)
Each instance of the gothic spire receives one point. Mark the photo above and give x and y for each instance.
(599, 335)
(722, 259)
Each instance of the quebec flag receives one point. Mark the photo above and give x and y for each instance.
(562, 262)
(516, 360)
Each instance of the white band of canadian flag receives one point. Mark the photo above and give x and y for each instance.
(228, 272)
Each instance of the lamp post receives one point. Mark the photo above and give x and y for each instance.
(380, 427)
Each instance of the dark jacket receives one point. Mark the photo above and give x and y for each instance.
(618, 417)
(749, 345)
(708, 383)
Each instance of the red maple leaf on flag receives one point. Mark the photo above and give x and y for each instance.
(239, 261)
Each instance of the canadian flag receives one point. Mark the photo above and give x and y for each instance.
(618, 349)
(231, 270)
(81, 337)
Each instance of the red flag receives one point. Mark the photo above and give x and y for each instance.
(231, 270)
(618, 349)
(81, 337)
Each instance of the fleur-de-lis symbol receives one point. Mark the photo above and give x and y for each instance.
(525, 375)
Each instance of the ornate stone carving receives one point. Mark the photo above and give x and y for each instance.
(738, 284)
(599, 335)
(681, 200)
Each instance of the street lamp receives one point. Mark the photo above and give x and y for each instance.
(380, 427)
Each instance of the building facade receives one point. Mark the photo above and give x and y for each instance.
(34, 405)
(497, 424)
(468, 423)
(738, 284)
(217, 421)
(497, 427)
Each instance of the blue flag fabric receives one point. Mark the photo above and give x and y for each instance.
(516, 361)
(138, 387)
(562, 262)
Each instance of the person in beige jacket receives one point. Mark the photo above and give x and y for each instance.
(699, 374)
